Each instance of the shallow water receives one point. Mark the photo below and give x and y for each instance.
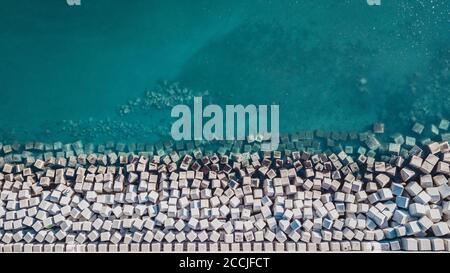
(66, 72)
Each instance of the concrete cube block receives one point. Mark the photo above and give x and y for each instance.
(437, 244)
(424, 244)
(440, 229)
(409, 244)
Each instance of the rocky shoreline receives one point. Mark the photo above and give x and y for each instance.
(318, 192)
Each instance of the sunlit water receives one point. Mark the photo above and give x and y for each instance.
(69, 73)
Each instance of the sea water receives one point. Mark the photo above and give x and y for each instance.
(112, 69)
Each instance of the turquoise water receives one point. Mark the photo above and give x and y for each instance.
(66, 73)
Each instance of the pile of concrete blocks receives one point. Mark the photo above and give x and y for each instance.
(88, 198)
